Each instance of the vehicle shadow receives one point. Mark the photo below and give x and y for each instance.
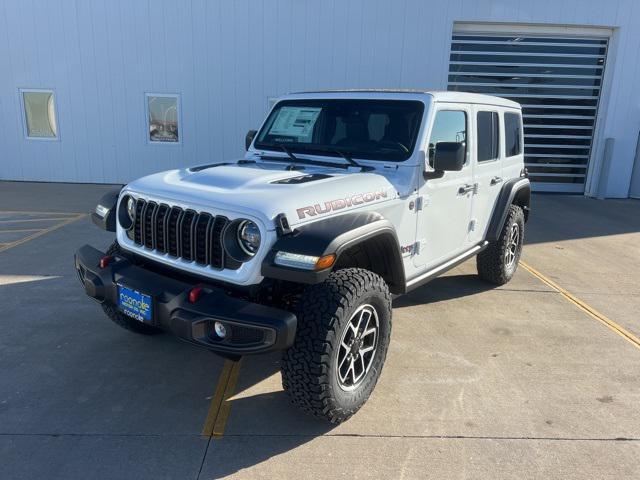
(444, 288)
(263, 423)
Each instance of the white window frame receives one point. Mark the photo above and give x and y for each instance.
(148, 140)
(23, 112)
(271, 102)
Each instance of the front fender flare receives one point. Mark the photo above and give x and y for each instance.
(335, 235)
(109, 201)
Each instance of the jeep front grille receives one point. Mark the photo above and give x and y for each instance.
(186, 234)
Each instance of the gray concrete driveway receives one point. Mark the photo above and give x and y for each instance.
(536, 379)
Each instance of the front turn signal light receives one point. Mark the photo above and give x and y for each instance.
(325, 261)
(304, 262)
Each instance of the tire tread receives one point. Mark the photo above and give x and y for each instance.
(306, 365)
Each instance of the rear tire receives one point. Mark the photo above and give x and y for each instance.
(498, 262)
(344, 327)
(120, 318)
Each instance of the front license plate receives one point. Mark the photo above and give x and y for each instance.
(134, 304)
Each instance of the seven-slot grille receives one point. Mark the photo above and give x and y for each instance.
(181, 233)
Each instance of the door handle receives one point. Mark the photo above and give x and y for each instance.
(496, 180)
(466, 188)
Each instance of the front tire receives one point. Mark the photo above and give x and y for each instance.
(498, 262)
(120, 318)
(344, 327)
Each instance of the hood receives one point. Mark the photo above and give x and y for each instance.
(264, 190)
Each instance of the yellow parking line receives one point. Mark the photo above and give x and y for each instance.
(27, 212)
(21, 230)
(55, 219)
(39, 233)
(588, 309)
(220, 406)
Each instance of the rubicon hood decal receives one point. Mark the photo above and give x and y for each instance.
(339, 204)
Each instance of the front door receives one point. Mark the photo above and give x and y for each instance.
(443, 222)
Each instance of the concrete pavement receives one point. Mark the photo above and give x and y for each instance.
(480, 382)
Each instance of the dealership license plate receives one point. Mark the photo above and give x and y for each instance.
(134, 304)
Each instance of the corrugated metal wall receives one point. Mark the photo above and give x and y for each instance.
(226, 58)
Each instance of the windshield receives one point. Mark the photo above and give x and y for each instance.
(369, 129)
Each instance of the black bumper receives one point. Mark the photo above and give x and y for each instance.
(252, 328)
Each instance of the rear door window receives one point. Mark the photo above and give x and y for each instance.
(488, 136)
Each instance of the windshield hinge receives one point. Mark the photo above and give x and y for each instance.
(282, 225)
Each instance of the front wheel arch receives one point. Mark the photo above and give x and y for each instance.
(379, 254)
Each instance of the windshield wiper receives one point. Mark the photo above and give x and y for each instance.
(289, 154)
(297, 159)
(348, 158)
(344, 155)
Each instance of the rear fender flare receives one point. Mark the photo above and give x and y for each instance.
(516, 190)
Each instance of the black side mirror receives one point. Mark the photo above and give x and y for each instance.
(249, 138)
(449, 156)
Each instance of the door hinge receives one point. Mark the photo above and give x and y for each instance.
(419, 203)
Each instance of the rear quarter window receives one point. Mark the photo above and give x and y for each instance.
(512, 134)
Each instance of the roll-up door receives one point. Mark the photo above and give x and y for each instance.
(557, 80)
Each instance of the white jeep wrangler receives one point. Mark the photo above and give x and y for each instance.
(343, 199)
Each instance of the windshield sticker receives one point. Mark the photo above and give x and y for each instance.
(295, 122)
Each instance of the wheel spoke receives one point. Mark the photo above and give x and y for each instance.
(364, 350)
(368, 332)
(352, 367)
(353, 328)
(342, 361)
(366, 325)
(362, 316)
(364, 368)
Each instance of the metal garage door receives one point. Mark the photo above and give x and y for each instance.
(556, 80)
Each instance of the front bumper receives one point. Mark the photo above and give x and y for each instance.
(253, 328)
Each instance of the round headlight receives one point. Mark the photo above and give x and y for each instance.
(249, 237)
(131, 208)
(127, 212)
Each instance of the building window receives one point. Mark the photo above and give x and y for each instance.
(512, 134)
(163, 118)
(487, 129)
(39, 114)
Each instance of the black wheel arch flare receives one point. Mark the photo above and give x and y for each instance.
(515, 191)
(109, 201)
(336, 235)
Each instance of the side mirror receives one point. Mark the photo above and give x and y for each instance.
(249, 138)
(449, 156)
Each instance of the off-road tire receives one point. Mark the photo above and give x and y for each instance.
(491, 262)
(120, 318)
(324, 311)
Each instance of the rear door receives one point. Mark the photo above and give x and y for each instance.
(443, 222)
(487, 168)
